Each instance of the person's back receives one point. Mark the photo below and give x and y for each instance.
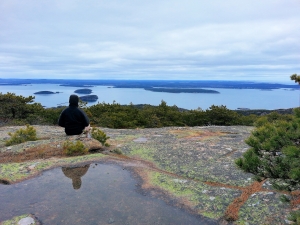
(73, 119)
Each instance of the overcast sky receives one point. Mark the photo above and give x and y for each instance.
(159, 39)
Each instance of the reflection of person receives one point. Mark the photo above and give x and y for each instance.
(73, 119)
(75, 173)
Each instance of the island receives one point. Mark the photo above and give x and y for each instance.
(83, 91)
(76, 85)
(45, 93)
(182, 90)
(89, 98)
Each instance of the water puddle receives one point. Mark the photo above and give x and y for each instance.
(89, 194)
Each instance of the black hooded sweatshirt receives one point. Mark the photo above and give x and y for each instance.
(73, 119)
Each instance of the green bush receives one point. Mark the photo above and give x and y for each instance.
(220, 115)
(22, 135)
(74, 148)
(100, 136)
(117, 151)
(19, 110)
(274, 152)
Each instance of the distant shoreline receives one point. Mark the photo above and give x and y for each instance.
(182, 90)
(155, 85)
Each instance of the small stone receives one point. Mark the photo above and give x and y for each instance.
(8, 148)
(180, 181)
(31, 167)
(288, 221)
(26, 221)
(211, 198)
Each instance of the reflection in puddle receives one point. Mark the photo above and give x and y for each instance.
(90, 194)
(75, 174)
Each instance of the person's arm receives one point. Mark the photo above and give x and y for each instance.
(61, 121)
(86, 119)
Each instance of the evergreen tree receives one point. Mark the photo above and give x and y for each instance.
(295, 78)
(20, 108)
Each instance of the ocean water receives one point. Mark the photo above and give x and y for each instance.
(231, 98)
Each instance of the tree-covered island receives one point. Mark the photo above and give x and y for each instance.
(89, 98)
(182, 90)
(45, 93)
(83, 91)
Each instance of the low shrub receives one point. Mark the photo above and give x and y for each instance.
(117, 151)
(22, 135)
(74, 148)
(100, 136)
(274, 153)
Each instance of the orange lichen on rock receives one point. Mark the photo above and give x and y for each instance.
(232, 212)
(191, 134)
(41, 152)
(296, 198)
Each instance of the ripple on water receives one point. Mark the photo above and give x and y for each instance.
(89, 194)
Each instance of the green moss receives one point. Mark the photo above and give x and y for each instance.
(14, 171)
(142, 152)
(209, 215)
(241, 222)
(174, 186)
(83, 158)
(262, 207)
(202, 198)
(15, 220)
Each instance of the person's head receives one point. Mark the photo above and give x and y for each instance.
(73, 100)
(76, 182)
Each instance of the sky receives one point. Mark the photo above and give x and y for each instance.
(159, 39)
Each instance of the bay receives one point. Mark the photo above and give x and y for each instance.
(231, 98)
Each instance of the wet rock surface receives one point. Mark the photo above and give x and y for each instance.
(189, 167)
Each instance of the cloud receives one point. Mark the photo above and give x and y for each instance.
(130, 39)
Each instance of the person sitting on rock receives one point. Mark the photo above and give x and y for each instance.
(73, 119)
